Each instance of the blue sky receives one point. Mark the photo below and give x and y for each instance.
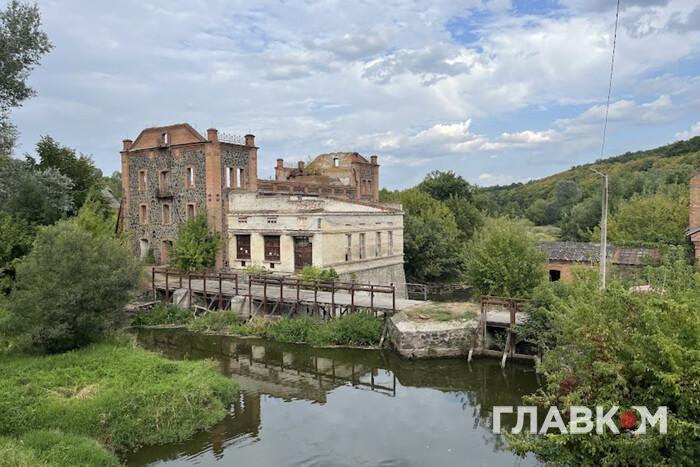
(497, 91)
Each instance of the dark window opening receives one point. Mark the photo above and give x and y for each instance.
(272, 247)
(554, 275)
(243, 246)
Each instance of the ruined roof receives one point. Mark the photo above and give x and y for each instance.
(584, 252)
(354, 155)
(179, 133)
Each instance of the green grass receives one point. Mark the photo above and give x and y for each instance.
(163, 314)
(360, 329)
(443, 311)
(122, 396)
(56, 449)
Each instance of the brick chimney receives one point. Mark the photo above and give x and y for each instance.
(213, 134)
(250, 140)
(301, 165)
(375, 178)
(126, 144)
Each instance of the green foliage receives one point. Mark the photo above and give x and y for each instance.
(56, 449)
(314, 273)
(650, 219)
(16, 237)
(195, 248)
(163, 314)
(214, 321)
(79, 168)
(70, 289)
(503, 259)
(445, 185)
(467, 216)
(96, 216)
(360, 329)
(615, 347)
(114, 183)
(39, 196)
(124, 397)
(253, 269)
(432, 249)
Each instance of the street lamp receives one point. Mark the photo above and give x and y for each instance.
(603, 228)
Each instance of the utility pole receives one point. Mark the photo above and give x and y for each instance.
(603, 228)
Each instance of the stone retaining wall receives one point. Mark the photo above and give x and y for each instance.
(431, 339)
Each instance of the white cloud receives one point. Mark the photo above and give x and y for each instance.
(693, 131)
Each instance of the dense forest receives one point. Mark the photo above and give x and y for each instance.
(648, 198)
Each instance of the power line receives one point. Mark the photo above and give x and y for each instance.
(612, 66)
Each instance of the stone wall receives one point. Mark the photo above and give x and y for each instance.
(391, 274)
(431, 339)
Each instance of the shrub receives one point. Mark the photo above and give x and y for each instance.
(354, 329)
(163, 314)
(503, 259)
(57, 449)
(292, 330)
(215, 321)
(195, 248)
(314, 273)
(70, 289)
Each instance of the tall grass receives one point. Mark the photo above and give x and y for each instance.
(122, 396)
(55, 449)
(163, 314)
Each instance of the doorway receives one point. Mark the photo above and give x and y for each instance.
(302, 252)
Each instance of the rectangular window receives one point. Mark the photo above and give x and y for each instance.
(243, 219)
(239, 178)
(362, 246)
(143, 180)
(391, 243)
(271, 220)
(189, 177)
(166, 214)
(143, 214)
(243, 246)
(348, 247)
(378, 246)
(272, 247)
(191, 211)
(164, 181)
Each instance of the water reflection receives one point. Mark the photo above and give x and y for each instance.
(303, 406)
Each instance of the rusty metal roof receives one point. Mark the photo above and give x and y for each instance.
(584, 252)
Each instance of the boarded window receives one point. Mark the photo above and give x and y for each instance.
(191, 211)
(143, 180)
(143, 214)
(348, 247)
(164, 181)
(166, 214)
(243, 246)
(272, 247)
(378, 246)
(189, 177)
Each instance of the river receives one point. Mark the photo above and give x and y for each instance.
(301, 406)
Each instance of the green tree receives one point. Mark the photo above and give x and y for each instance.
(23, 45)
(503, 259)
(196, 247)
(79, 168)
(615, 347)
(96, 216)
(432, 248)
(39, 196)
(114, 183)
(444, 185)
(579, 222)
(537, 212)
(70, 289)
(16, 237)
(650, 219)
(467, 216)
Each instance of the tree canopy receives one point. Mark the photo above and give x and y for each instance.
(196, 247)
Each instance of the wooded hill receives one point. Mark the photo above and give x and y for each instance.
(648, 196)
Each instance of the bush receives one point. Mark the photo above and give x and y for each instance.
(195, 248)
(56, 449)
(503, 259)
(355, 329)
(70, 289)
(124, 397)
(314, 273)
(215, 321)
(163, 314)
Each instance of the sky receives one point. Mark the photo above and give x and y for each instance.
(498, 91)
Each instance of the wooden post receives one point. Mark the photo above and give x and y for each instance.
(153, 281)
(393, 298)
(281, 294)
(179, 274)
(316, 297)
(236, 281)
(333, 299)
(264, 279)
(204, 284)
(167, 290)
(296, 305)
(221, 294)
(189, 288)
(250, 296)
(371, 297)
(352, 297)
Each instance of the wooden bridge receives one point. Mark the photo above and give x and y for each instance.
(277, 294)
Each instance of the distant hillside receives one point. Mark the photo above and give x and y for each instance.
(570, 199)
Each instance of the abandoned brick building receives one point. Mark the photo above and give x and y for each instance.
(324, 214)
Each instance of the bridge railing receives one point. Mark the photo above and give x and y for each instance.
(172, 277)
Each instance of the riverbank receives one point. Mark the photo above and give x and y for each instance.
(103, 401)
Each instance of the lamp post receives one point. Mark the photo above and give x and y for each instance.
(603, 228)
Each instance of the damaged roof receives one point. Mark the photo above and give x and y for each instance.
(584, 252)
